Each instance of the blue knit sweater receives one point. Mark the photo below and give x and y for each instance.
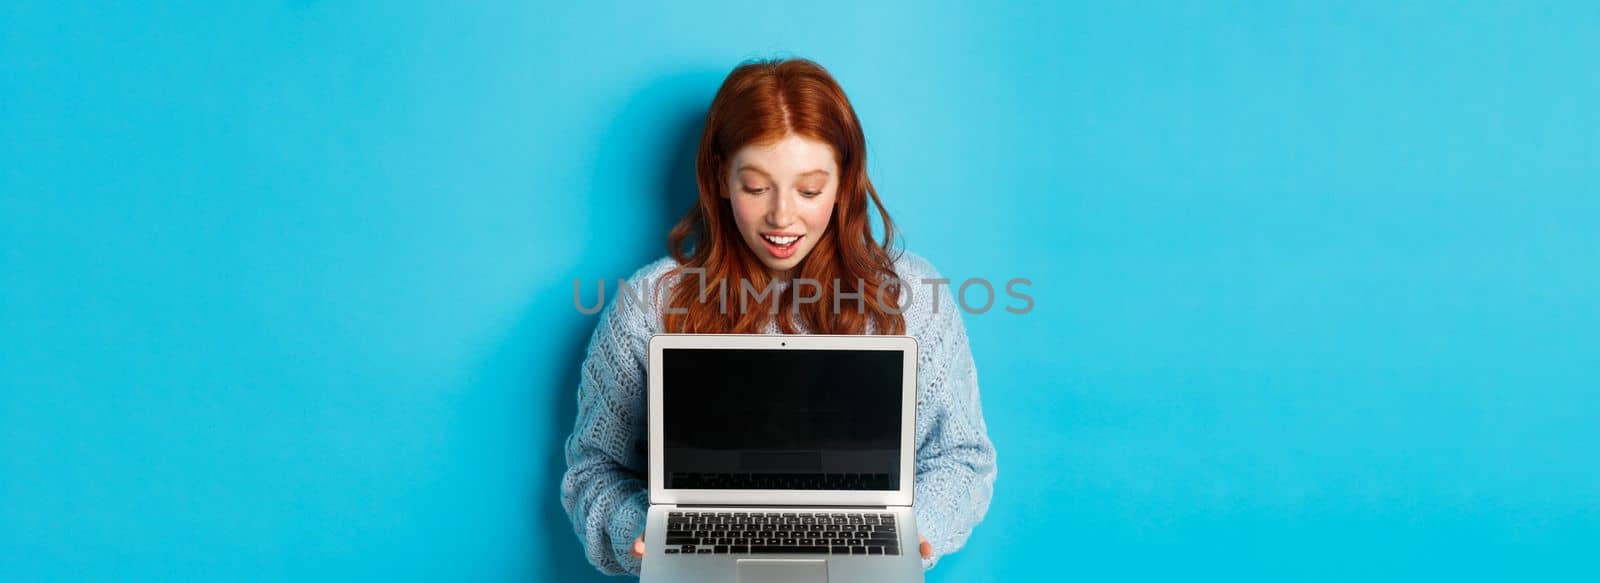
(605, 492)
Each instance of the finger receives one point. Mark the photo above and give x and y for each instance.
(925, 548)
(638, 548)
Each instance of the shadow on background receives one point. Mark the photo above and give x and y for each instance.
(651, 142)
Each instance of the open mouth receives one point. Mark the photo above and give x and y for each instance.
(782, 246)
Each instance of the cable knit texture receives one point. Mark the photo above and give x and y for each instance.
(605, 492)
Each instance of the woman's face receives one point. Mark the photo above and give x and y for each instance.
(782, 195)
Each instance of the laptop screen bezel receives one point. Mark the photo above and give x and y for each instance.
(906, 345)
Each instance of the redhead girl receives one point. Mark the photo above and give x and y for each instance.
(783, 205)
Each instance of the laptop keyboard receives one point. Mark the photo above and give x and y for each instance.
(806, 533)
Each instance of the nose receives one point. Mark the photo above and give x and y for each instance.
(780, 212)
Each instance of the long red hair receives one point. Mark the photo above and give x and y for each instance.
(761, 102)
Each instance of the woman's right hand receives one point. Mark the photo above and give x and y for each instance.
(638, 548)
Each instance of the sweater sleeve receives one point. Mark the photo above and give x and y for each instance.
(604, 489)
(955, 458)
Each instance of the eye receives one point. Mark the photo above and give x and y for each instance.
(810, 193)
(755, 190)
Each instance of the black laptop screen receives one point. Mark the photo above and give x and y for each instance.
(781, 419)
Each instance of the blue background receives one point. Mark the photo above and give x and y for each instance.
(287, 286)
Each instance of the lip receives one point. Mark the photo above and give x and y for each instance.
(782, 252)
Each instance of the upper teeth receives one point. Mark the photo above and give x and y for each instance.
(781, 240)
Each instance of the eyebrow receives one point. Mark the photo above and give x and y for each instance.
(749, 166)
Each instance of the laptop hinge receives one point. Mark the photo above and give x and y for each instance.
(872, 506)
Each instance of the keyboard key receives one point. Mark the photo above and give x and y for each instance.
(672, 551)
(784, 550)
(723, 549)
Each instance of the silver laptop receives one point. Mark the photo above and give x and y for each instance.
(781, 458)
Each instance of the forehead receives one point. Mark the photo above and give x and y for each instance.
(788, 156)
